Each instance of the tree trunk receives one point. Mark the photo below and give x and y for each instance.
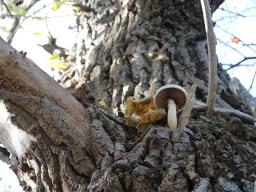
(125, 48)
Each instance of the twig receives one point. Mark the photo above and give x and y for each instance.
(234, 13)
(13, 29)
(252, 82)
(6, 7)
(249, 44)
(248, 9)
(237, 64)
(241, 65)
(36, 11)
(211, 41)
(17, 22)
(232, 35)
(234, 49)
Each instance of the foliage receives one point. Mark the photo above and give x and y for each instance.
(17, 10)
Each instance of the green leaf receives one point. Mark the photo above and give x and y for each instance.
(17, 10)
(54, 57)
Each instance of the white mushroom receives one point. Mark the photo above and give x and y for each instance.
(172, 97)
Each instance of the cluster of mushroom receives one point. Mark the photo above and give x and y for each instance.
(174, 98)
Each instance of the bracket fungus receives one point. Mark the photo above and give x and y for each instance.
(174, 98)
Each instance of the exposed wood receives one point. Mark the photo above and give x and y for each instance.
(211, 42)
(186, 112)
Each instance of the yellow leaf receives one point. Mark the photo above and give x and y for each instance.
(152, 116)
(54, 57)
(133, 119)
(129, 107)
(142, 112)
(102, 102)
(55, 5)
(143, 105)
(58, 65)
(38, 33)
(235, 40)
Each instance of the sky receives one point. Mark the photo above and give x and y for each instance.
(242, 26)
(57, 22)
(8, 180)
(228, 25)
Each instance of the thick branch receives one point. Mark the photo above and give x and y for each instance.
(21, 76)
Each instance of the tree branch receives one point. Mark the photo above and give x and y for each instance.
(240, 40)
(22, 80)
(252, 82)
(211, 41)
(241, 65)
(6, 7)
(232, 12)
(224, 43)
(17, 21)
(251, 119)
(241, 61)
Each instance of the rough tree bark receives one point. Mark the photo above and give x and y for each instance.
(125, 48)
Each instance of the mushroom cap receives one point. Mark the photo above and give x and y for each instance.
(174, 92)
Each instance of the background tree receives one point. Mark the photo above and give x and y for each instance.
(126, 48)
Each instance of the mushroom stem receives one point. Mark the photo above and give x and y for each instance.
(172, 115)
